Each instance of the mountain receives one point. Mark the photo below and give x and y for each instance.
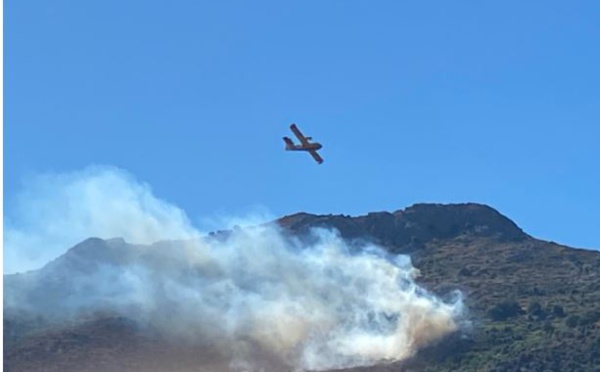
(531, 305)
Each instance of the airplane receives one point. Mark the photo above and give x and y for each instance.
(305, 144)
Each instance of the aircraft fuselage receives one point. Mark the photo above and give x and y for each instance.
(310, 146)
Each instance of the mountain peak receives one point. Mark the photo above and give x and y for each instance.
(414, 225)
(91, 252)
(446, 220)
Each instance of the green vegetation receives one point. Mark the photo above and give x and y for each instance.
(537, 314)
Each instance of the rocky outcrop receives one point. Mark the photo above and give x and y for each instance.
(408, 229)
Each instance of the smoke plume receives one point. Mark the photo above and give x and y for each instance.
(254, 291)
(56, 211)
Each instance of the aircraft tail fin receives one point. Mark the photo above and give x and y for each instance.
(289, 144)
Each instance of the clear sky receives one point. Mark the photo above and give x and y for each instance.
(422, 101)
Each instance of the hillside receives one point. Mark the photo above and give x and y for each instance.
(531, 305)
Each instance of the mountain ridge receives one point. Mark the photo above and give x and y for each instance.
(531, 301)
(408, 229)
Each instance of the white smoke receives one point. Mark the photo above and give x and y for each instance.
(311, 306)
(57, 211)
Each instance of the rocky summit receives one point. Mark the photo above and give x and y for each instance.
(530, 305)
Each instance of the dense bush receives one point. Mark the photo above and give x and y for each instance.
(535, 309)
(504, 310)
(558, 311)
(589, 317)
(572, 321)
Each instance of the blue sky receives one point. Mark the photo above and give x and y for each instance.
(436, 101)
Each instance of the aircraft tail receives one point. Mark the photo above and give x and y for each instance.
(289, 144)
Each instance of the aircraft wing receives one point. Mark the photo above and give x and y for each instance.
(299, 134)
(316, 156)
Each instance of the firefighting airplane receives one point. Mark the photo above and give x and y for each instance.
(304, 145)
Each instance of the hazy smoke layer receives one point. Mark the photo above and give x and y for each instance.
(57, 211)
(254, 292)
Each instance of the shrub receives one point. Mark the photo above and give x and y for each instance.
(548, 328)
(535, 309)
(464, 271)
(558, 311)
(504, 310)
(589, 317)
(572, 321)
